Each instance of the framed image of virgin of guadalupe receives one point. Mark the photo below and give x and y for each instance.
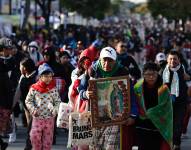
(111, 103)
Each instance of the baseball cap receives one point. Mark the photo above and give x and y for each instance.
(160, 57)
(108, 52)
(6, 43)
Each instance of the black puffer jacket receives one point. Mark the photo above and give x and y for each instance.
(25, 84)
(129, 62)
(6, 88)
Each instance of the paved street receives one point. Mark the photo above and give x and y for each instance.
(62, 140)
(186, 142)
(20, 143)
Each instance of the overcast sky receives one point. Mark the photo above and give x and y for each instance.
(136, 1)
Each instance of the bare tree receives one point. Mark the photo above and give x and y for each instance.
(45, 6)
(26, 12)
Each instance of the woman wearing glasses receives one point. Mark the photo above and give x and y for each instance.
(154, 125)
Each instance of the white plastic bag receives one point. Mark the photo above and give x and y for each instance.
(63, 115)
(80, 130)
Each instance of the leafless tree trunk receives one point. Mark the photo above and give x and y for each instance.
(45, 6)
(26, 12)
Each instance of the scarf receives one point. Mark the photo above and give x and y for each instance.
(43, 87)
(105, 74)
(161, 115)
(174, 87)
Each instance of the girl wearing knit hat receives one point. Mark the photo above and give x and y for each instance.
(42, 102)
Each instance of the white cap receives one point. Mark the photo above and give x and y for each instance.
(108, 52)
(33, 44)
(160, 57)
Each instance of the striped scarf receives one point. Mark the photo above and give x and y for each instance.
(174, 88)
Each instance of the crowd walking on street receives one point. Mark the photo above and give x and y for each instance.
(41, 70)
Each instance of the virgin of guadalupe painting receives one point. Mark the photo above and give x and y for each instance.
(111, 103)
(116, 102)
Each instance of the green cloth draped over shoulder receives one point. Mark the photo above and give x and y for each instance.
(106, 74)
(161, 115)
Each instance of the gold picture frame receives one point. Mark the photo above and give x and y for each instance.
(111, 103)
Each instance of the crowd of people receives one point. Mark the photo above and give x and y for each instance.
(40, 70)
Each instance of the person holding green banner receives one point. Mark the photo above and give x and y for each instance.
(154, 126)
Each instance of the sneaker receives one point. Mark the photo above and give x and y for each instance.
(12, 137)
(135, 148)
(176, 147)
(4, 146)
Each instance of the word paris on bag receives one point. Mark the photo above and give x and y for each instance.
(80, 131)
(63, 115)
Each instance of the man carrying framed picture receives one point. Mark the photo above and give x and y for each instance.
(107, 66)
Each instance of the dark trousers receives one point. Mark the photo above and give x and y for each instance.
(28, 141)
(148, 140)
(1, 140)
(179, 110)
(128, 137)
(54, 133)
(186, 121)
